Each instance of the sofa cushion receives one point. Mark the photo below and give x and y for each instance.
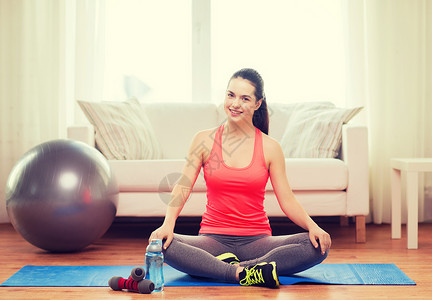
(316, 174)
(150, 175)
(176, 124)
(315, 131)
(161, 175)
(122, 129)
(280, 114)
(316, 203)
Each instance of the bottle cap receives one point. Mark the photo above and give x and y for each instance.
(155, 246)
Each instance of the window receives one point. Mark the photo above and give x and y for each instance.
(297, 46)
(148, 50)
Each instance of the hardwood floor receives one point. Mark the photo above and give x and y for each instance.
(124, 244)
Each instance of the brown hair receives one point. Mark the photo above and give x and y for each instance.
(261, 116)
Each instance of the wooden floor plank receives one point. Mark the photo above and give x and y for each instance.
(125, 244)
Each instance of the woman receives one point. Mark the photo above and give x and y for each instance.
(235, 242)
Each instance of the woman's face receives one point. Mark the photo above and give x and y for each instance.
(240, 101)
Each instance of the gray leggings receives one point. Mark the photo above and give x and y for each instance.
(196, 255)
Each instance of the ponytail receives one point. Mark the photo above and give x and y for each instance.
(260, 117)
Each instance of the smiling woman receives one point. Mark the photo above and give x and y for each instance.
(235, 241)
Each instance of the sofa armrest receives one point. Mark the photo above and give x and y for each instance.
(82, 133)
(355, 155)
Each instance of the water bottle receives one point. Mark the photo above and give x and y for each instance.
(154, 264)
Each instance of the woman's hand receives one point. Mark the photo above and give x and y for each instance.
(316, 233)
(164, 233)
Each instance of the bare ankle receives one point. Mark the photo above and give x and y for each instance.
(238, 271)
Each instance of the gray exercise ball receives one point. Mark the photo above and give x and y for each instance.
(61, 196)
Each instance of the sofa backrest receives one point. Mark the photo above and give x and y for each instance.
(278, 119)
(175, 124)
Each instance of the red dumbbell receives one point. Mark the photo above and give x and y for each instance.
(144, 286)
(135, 283)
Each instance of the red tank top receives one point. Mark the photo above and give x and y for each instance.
(235, 196)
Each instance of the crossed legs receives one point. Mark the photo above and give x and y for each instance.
(196, 255)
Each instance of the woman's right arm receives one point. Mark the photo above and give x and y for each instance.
(182, 188)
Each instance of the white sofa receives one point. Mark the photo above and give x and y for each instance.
(324, 186)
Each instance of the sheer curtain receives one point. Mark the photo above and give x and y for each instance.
(30, 80)
(37, 74)
(389, 67)
(88, 44)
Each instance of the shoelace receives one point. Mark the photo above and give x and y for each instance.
(253, 276)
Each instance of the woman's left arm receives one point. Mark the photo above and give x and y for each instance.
(287, 200)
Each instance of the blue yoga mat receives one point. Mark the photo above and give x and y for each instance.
(98, 276)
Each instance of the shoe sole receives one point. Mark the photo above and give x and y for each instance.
(275, 275)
